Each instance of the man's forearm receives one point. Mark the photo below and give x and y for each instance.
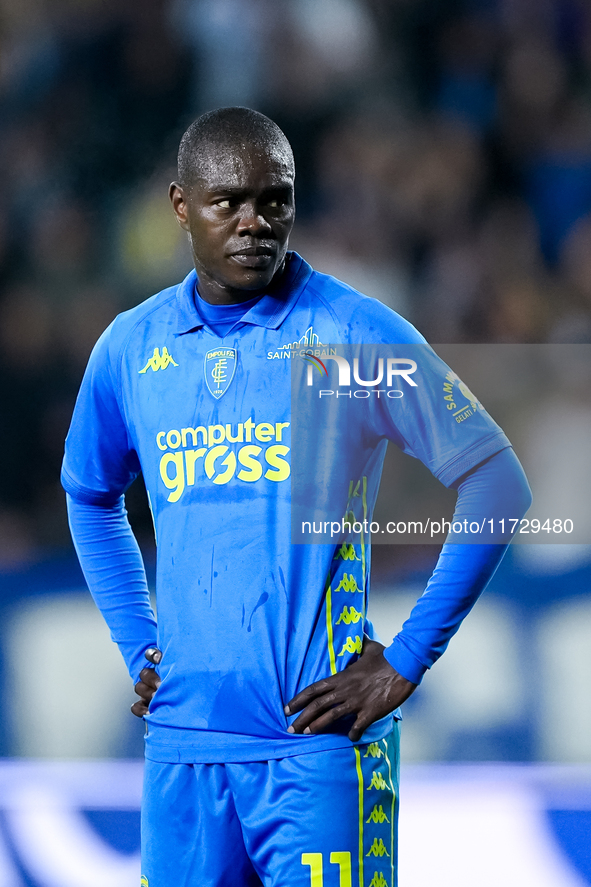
(497, 488)
(114, 570)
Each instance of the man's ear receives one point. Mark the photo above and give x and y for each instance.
(178, 199)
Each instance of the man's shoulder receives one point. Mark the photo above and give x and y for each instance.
(136, 325)
(363, 318)
(159, 308)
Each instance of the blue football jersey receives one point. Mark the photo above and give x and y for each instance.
(246, 619)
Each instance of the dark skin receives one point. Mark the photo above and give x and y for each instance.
(368, 688)
(238, 213)
(148, 683)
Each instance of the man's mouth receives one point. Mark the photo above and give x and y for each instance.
(254, 256)
(260, 250)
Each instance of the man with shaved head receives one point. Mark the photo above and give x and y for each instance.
(271, 709)
(220, 135)
(227, 158)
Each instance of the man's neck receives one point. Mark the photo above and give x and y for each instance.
(216, 294)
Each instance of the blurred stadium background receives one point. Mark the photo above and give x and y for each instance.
(443, 150)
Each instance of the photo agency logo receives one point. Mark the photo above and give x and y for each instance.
(388, 372)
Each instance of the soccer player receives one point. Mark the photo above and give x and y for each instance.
(271, 715)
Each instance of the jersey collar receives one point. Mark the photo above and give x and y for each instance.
(270, 311)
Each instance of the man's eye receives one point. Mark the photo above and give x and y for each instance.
(224, 204)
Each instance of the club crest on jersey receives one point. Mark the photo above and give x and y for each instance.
(219, 368)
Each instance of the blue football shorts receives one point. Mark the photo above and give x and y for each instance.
(324, 819)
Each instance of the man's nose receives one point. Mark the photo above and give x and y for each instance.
(252, 221)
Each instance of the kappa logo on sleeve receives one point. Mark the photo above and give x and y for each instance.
(159, 361)
(219, 368)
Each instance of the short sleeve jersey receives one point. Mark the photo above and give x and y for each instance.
(246, 619)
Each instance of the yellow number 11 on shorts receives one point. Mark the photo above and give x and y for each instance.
(314, 860)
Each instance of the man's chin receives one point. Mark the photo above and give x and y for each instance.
(235, 281)
(253, 279)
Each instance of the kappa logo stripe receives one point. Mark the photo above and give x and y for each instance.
(373, 751)
(348, 583)
(349, 615)
(377, 815)
(377, 781)
(378, 848)
(352, 645)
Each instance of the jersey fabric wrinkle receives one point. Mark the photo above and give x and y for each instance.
(242, 613)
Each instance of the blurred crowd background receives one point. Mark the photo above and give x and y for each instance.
(443, 152)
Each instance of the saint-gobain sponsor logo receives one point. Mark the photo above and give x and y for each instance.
(388, 371)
